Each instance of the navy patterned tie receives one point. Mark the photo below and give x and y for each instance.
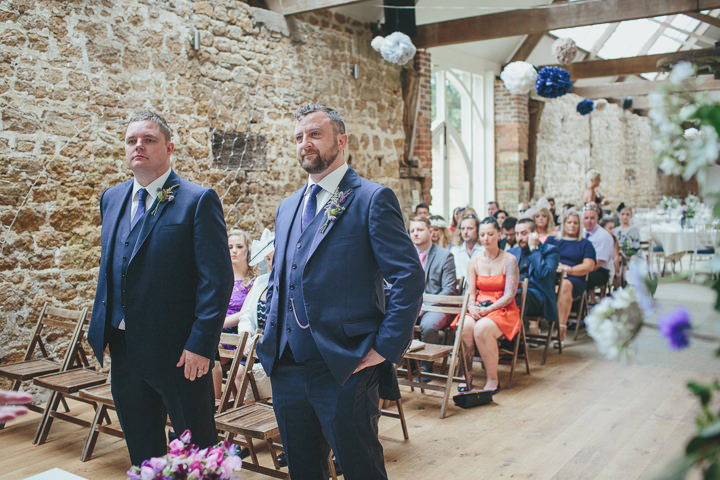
(142, 194)
(310, 206)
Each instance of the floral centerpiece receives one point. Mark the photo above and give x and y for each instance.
(187, 461)
(669, 203)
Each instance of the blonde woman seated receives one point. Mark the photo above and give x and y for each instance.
(577, 259)
(492, 281)
(439, 232)
(251, 317)
(544, 224)
(591, 193)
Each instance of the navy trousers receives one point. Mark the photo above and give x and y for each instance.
(142, 404)
(315, 414)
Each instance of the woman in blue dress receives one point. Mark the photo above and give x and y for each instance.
(577, 259)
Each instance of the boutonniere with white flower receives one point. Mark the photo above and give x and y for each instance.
(334, 207)
(165, 195)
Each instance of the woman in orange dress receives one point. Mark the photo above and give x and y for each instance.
(492, 280)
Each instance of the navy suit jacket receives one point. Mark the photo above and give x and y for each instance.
(541, 276)
(342, 285)
(179, 277)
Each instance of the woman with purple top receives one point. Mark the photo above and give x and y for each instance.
(238, 243)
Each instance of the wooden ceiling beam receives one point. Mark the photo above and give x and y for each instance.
(710, 20)
(623, 66)
(527, 47)
(629, 89)
(541, 19)
(293, 7)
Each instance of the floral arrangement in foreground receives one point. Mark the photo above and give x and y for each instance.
(187, 461)
(686, 140)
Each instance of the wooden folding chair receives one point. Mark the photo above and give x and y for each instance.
(519, 340)
(102, 396)
(254, 420)
(50, 320)
(547, 338)
(452, 304)
(65, 385)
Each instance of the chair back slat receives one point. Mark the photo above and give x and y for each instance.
(440, 309)
(238, 341)
(65, 313)
(51, 322)
(247, 375)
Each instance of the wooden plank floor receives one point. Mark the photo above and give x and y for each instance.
(577, 417)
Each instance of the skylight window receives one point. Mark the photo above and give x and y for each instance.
(628, 39)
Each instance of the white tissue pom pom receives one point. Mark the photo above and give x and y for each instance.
(519, 77)
(377, 43)
(564, 50)
(397, 48)
(600, 103)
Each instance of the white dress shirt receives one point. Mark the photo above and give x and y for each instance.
(329, 184)
(462, 258)
(604, 246)
(152, 189)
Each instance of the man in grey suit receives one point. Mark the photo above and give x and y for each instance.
(439, 266)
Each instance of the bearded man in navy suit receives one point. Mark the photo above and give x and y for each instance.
(329, 326)
(163, 289)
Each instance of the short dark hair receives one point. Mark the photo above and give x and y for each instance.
(604, 221)
(421, 219)
(149, 115)
(501, 211)
(496, 203)
(528, 221)
(422, 205)
(490, 221)
(509, 223)
(335, 118)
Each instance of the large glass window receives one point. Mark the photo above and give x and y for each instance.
(462, 153)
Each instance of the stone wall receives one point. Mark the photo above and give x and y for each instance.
(71, 72)
(613, 141)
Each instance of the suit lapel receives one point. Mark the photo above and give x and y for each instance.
(283, 223)
(149, 220)
(350, 181)
(428, 261)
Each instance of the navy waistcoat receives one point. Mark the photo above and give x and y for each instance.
(291, 302)
(122, 248)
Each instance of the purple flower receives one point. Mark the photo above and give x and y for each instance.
(675, 326)
(171, 198)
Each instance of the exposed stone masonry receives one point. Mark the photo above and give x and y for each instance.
(71, 72)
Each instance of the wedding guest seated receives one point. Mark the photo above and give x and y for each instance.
(545, 225)
(439, 233)
(591, 193)
(538, 262)
(508, 233)
(251, 317)
(604, 246)
(577, 259)
(500, 216)
(608, 223)
(468, 247)
(492, 283)
(456, 217)
(439, 267)
(238, 243)
(492, 208)
(422, 210)
(626, 229)
(522, 208)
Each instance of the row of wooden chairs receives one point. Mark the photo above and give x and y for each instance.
(238, 420)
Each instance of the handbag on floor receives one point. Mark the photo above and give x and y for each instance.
(473, 398)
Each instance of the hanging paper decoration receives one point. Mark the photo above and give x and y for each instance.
(553, 82)
(519, 77)
(564, 50)
(586, 106)
(395, 48)
(627, 103)
(600, 103)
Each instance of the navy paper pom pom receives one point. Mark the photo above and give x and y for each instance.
(585, 107)
(552, 82)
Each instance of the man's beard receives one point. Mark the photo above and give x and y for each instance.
(320, 163)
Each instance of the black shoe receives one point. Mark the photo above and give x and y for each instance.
(282, 459)
(244, 452)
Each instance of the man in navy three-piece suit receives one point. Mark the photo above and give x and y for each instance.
(328, 324)
(163, 290)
